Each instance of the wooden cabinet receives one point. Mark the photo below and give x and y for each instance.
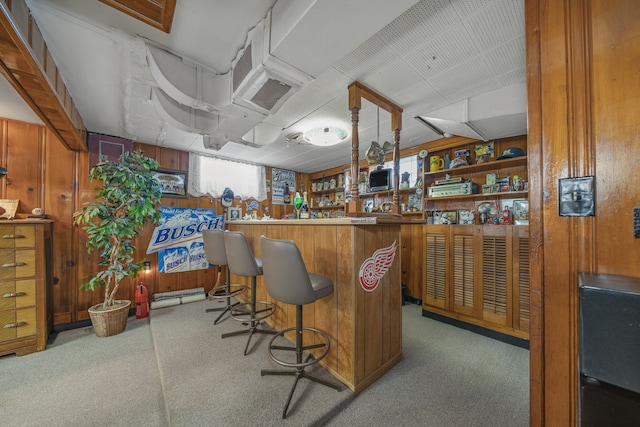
(26, 316)
(479, 274)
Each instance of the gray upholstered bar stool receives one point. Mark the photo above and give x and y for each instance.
(287, 280)
(241, 262)
(216, 254)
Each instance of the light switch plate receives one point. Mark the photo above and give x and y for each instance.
(576, 196)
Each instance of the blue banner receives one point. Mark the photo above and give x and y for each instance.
(178, 238)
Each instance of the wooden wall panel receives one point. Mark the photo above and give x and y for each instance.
(60, 167)
(23, 157)
(412, 259)
(583, 120)
(616, 133)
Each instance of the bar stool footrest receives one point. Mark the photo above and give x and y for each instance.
(311, 359)
(222, 291)
(244, 312)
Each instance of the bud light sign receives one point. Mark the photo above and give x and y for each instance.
(178, 238)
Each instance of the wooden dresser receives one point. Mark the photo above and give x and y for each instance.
(26, 316)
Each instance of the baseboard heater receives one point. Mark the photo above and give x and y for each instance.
(167, 299)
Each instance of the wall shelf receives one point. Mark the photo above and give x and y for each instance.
(502, 194)
(489, 166)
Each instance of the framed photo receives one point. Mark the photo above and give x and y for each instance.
(234, 214)
(445, 217)
(173, 183)
(521, 212)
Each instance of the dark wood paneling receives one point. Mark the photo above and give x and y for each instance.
(157, 13)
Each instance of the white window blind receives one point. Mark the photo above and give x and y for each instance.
(210, 176)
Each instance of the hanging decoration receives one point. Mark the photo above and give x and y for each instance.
(376, 152)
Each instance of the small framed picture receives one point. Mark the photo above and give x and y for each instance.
(521, 212)
(234, 214)
(445, 217)
(172, 183)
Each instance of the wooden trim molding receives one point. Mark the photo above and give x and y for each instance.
(27, 65)
(157, 13)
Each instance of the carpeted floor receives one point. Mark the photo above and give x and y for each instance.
(173, 369)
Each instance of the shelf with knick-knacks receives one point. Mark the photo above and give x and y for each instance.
(328, 193)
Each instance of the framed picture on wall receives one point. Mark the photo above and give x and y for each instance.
(173, 183)
(105, 147)
(234, 214)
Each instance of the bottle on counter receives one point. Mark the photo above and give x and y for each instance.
(304, 210)
(287, 193)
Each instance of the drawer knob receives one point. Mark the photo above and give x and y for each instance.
(14, 294)
(14, 264)
(14, 325)
(13, 236)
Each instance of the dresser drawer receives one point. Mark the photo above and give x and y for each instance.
(17, 294)
(17, 324)
(17, 263)
(17, 236)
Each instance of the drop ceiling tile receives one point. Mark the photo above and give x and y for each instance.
(419, 98)
(469, 7)
(418, 24)
(507, 57)
(446, 50)
(396, 77)
(513, 77)
(497, 24)
(477, 89)
(460, 77)
(371, 55)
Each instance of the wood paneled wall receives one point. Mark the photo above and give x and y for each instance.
(584, 115)
(44, 173)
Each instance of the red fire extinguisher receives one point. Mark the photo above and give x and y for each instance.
(142, 301)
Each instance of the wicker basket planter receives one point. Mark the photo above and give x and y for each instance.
(110, 321)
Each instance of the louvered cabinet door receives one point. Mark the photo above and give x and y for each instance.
(521, 278)
(462, 285)
(496, 262)
(436, 264)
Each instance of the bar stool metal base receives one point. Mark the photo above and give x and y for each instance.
(299, 364)
(251, 313)
(224, 293)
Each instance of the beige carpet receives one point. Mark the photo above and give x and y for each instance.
(174, 370)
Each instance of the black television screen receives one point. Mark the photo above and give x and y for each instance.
(380, 180)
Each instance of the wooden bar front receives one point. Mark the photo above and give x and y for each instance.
(365, 328)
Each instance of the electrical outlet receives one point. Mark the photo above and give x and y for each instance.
(636, 223)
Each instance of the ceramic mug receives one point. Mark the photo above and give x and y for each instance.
(436, 163)
(37, 211)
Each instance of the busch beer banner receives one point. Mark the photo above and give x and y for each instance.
(178, 238)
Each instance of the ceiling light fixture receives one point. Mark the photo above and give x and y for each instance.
(326, 136)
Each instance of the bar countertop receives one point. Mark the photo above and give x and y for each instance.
(360, 220)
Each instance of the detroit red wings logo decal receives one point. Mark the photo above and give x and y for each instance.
(376, 266)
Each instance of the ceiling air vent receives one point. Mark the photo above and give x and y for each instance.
(261, 81)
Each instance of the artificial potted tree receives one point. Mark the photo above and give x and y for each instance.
(127, 199)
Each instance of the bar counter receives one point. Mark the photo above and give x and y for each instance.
(365, 326)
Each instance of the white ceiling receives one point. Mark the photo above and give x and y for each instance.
(457, 63)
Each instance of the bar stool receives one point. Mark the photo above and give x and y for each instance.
(241, 262)
(287, 280)
(217, 255)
